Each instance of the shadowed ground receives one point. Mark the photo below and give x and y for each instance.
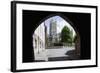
(58, 54)
(64, 53)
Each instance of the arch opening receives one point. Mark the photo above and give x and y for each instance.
(56, 39)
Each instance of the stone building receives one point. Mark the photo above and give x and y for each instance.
(53, 32)
(39, 43)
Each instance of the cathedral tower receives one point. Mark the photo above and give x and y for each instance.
(53, 31)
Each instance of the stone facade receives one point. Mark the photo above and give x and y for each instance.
(39, 43)
(53, 32)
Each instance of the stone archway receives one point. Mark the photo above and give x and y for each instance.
(41, 37)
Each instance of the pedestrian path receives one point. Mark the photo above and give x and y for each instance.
(53, 53)
(41, 56)
(58, 52)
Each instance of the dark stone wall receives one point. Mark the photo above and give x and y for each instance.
(78, 45)
(32, 19)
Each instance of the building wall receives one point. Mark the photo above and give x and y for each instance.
(39, 43)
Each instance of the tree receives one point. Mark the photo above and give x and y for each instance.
(66, 35)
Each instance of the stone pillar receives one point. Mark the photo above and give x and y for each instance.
(77, 45)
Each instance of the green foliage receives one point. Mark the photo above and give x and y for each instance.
(66, 35)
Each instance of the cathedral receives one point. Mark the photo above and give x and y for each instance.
(53, 32)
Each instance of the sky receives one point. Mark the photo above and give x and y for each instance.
(60, 24)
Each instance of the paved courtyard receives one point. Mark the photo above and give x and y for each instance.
(55, 53)
(58, 52)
